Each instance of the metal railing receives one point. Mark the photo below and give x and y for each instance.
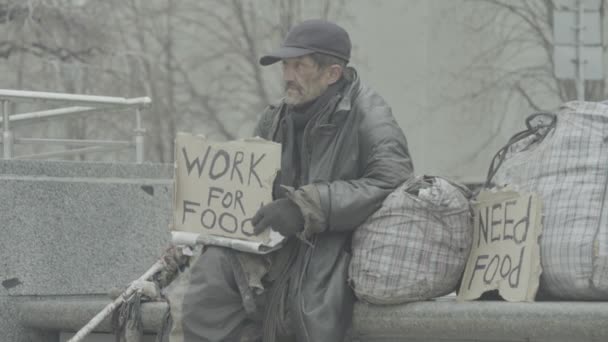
(75, 105)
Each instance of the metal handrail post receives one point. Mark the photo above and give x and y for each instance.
(7, 135)
(139, 133)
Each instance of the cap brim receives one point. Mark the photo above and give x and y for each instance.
(282, 53)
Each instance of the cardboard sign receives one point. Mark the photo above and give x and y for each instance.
(219, 186)
(505, 254)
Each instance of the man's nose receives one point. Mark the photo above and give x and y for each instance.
(288, 74)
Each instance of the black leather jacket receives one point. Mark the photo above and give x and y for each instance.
(355, 155)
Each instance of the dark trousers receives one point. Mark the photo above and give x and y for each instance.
(217, 305)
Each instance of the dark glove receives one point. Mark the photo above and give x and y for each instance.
(282, 215)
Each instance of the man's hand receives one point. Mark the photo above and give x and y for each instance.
(282, 215)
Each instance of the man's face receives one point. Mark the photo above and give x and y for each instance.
(304, 80)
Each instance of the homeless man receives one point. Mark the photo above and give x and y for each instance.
(342, 154)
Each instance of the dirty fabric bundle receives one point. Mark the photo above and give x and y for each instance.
(568, 167)
(126, 320)
(415, 246)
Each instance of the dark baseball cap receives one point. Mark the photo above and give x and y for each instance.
(312, 36)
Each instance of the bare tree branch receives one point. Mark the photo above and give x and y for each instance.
(527, 97)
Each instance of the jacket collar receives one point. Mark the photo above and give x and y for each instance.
(350, 92)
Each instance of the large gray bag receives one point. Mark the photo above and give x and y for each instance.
(564, 158)
(415, 246)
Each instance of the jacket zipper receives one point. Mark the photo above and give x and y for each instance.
(306, 154)
(307, 257)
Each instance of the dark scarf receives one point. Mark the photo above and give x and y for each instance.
(295, 120)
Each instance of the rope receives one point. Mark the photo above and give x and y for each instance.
(540, 130)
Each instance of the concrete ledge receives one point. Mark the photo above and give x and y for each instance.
(446, 319)
(441, 320)
(71, 314)
(66, 169)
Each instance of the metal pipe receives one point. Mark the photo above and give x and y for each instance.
(580, 76)
(75, 142)
(138, 118)
(29, 96)
(139, 137)
(7, 135)
(45, 114)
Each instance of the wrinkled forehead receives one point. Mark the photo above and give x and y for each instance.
(306, 60)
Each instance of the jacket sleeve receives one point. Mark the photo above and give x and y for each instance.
(263, 128)
(385, 163)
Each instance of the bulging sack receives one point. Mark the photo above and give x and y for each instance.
(566, 164)
(415, 247)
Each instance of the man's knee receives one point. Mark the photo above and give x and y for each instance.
(214, 266)
(212, 306)
(216, 256)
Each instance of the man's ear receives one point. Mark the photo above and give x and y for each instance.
(334, 73)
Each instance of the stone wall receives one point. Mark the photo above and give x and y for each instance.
(77, 229)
